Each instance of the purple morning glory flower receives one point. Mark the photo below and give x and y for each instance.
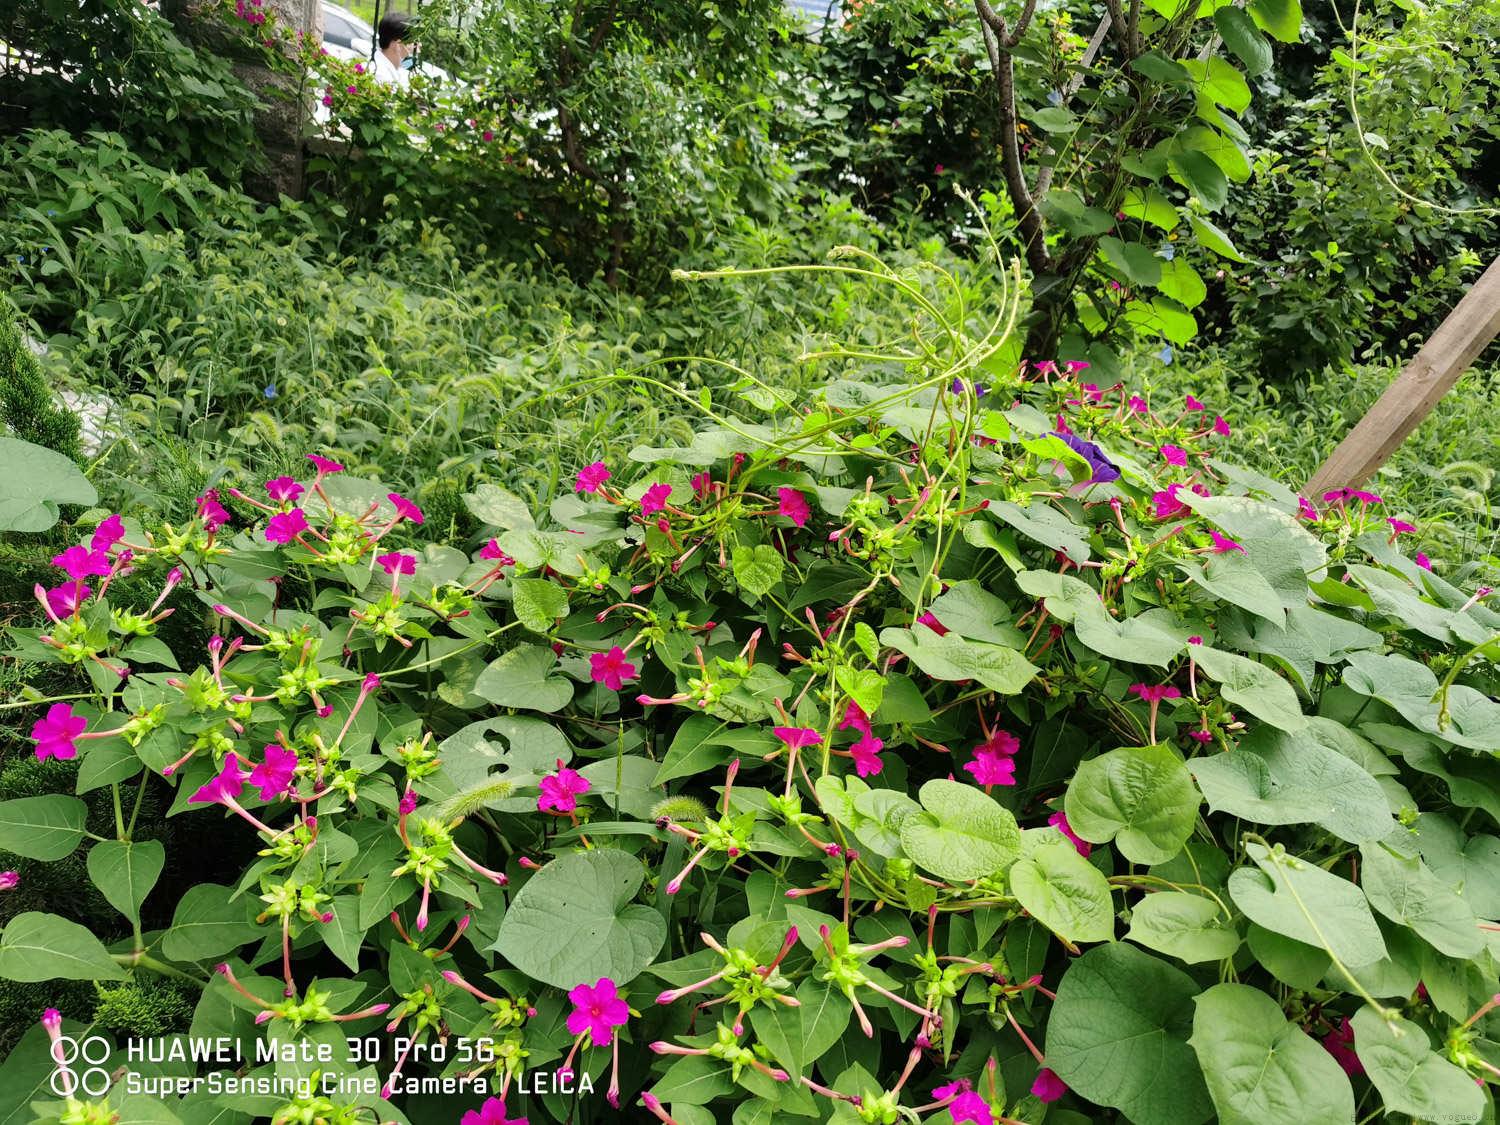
(1104, 469)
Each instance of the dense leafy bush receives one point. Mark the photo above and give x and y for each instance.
(913, 748)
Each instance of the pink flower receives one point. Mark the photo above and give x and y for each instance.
(1091, 392)
(590, 477)
(1074, 366)
(210, 511)
(560, 790)
(1138, 404)
(1155, 693)
(56, 732)
(79, 562)
(394, 562)
(1174, 455)
(797, 737)
(701, 482)
(283, 489)
(1166, 505)
(492, 1112)
(488, 135)
(933, 623)
(9, 880)
(1223, 545)
(351, 90)
(855, 718)
(107, 534)
(597, 1010)
(1364, 497)
(1337, 496)
(1423, 561)
(1305, 510)
(1204, 736)
(1339, 1043)
(226, 785)
(1399, 527)
(994, 759)
(937, 169)
(491, 550)
(327, 98)
(1046, 367)
(1048, 1087)
(286, 526)
(274, 775)
(1059, 820)
(322, 464)
(1193, 404)
(655, 498)
(866, 754)
(793, 505)
(64, 600)
(405, 509)
(970, 1107)
(1221, 427)
(611, 668)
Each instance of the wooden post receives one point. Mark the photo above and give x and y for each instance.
(1471, 325)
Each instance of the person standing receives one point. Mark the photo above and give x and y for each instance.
(397, 50)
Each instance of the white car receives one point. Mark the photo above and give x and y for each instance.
(347, 37)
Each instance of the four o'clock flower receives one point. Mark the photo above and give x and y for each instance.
(65, 600)
(793, 505)
(561, 790)
(1048, 1087)
(994, 760)
(109, 532)
(79, 562)
(1190, 403)
(930, 620)
(611, 668)
(655, 498)
(1423, 561)
(224, 789)
(1399, 527)
(1153, 694)
(211, 512)
(405, 509)
(492, 1112)
(591, 477)
(397, 563)
(1174, 455)
(274, 775)
(9, 880)
(286, 526)
(1221, 427)
(57, 733)
(324, 467)
(284, 490)
(866, 755)
(1059, 820)
(597, 1010)
(1223, 544)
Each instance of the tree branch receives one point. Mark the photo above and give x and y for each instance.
(1033, 230)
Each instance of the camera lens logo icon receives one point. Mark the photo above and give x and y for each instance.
(88, 1076)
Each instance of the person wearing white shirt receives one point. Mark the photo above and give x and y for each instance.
(393, 61)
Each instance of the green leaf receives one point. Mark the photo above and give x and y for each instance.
(1282, 19)
(1243, 38)
(587, 897)
(523, 678)
(865, 687)
(1118, 1036)
(1203, 178)
(343, 936)
(758, 569)
(1064, 892)
(1292, 897)
(1408, 893)
(1253, 686)
(38, 947)
(1234, 578)
(1294, 963)
(125, 873)
(1212, 238)
(1135, 260)
(1055, 119)
(1409, 686)
(951, 657)
(208, 924)
(799, 1036)
(1181, 282)
(538, 603)
(1219, 80)
(1152, 637)
(1260, 1068)
(1068, 211)
(1186, 926)
(702, 743)
(1043, 523)
(499, 507)
(1222, 150)
(1163, 318)
(46, 828)
(962, 834)
(1139, 796)
(1151, 206)
(1159, 68)
(33, 482)
(1413, 1078)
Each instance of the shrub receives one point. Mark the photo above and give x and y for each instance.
(914, 746)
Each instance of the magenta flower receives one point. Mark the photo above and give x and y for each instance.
(1092, 392)
(1138, 404)
(107, 534)
(994, 760)
(225, 786)
(1223, 544)
(866, 754)
(1339, 1042)
(492, 551)
(933, 623)
(327, 98)
(492, 1112)
(487, 135)
(1059, 820)
(971, 1108)
(560, 790)
(855, 718)
(210, 511)
(796, 738)
(1165, 504)
(408, 803)
(79, 562)
(64, 600)
(793, 505)
(283, 527)
(1174, 455)
(1305, 509)
(405, 509)
(1204, 736)
(590, 477)
(9, 880)
(701, 483)
(1423, 561)
(274, 775)
(1399, 527)
(1337, 496)
(611, 668)
(1074, 366)
(55, 733)
(597, 1010)
(1221, 427)
(655, 498)
(1048, 1087)
(1364, 497)
(1193, 404)
(283, 489)
(1155, 693)
(394, 563)
(323, 464)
